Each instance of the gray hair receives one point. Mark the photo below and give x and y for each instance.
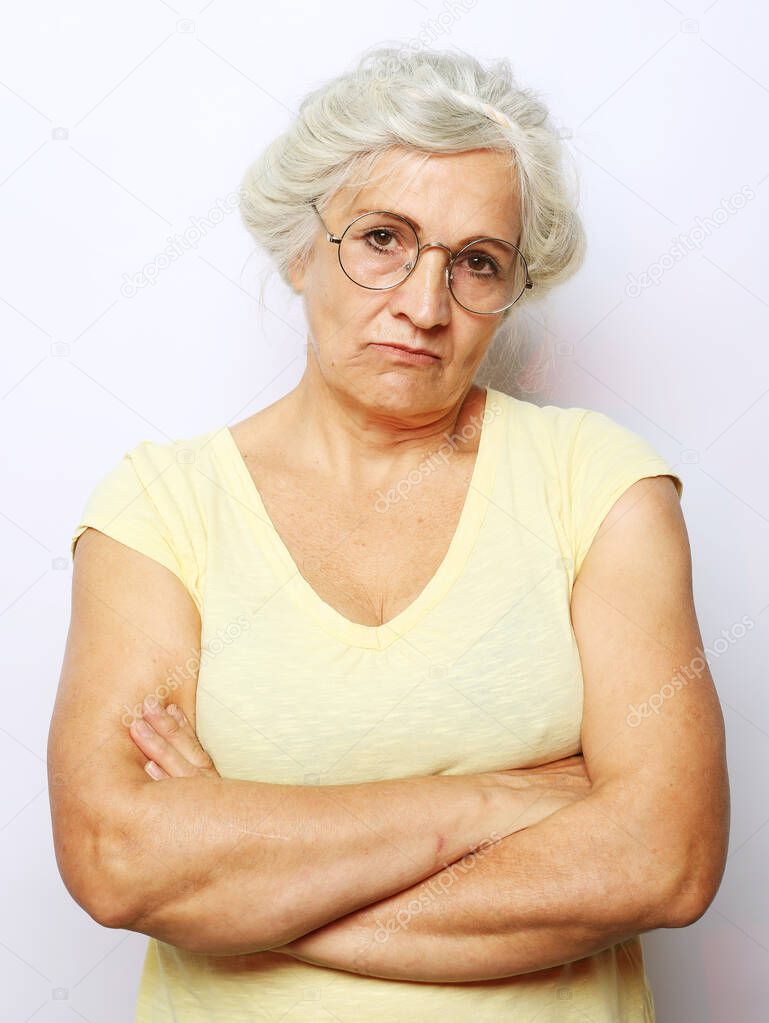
(429, 102)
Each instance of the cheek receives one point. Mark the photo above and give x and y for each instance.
(469, 341)
(341, 319)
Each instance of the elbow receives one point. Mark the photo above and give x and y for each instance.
(675, 899)
(690, 902)
(90, 844)
(102, 907)
(696, 888)
(91, 884)
(106, 909)
(701, 870)
(190, 923)
(91, 866)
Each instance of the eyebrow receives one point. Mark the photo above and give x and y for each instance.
(415, 224)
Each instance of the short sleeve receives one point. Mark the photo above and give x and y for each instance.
(606, 458)
(123, 505)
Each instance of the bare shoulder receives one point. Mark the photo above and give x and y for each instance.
(650, 502)
(642, 551)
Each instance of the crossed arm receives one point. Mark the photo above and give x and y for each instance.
(579, 881)
(645, 848)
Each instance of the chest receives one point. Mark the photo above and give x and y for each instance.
(483, 675)
(368, 554)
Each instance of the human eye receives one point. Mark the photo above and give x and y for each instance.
(381, 239)
(479, 264)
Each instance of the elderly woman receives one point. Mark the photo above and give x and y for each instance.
(387, 702)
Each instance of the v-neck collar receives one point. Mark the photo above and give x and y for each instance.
(379, 637)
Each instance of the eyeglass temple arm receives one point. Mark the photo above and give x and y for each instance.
(329, 236)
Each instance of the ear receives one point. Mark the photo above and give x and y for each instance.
(295, 273)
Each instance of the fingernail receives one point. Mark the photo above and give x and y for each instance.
(176, 712)
(142, 728)
(153, 770)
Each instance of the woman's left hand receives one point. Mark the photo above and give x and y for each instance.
(171, 743)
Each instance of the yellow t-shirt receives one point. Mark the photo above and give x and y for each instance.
(480, 672)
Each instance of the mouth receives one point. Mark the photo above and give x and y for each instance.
(419, 355)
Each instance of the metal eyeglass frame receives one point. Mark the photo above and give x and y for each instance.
(420, 248)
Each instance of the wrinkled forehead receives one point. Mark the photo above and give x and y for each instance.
(445, 194)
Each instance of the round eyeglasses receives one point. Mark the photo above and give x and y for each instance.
(379, 250)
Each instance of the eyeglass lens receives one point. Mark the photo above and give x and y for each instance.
(378, 250)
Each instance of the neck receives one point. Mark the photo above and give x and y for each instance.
(358, 442)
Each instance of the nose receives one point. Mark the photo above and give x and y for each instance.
(424, 296)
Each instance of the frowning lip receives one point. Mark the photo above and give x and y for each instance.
(407, 348)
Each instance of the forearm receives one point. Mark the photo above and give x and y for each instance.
(575, 883)
(229, 867)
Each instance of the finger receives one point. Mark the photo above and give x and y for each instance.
(155, 771)
(157, 748)
(194, 752)
(176, 729)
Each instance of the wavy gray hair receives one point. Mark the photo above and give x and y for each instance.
(431, 102)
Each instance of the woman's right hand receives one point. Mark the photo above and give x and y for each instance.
(527, 795)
